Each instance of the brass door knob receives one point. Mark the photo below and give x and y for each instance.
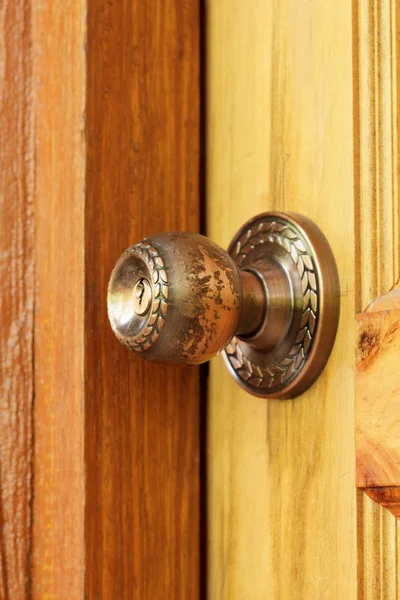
(270, 303)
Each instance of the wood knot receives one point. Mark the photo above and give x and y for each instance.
(367, 342)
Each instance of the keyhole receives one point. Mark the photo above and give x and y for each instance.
(140, 291)
(142, 296)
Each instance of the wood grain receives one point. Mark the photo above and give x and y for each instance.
(117, 450)
(16, 297)
(378, 399)
(389, 497)
(142, 420)
(60, 159)
(282, 495)
(388, 301)
(379, 544)
(376, 129)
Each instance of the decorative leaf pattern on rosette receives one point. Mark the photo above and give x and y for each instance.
(155, 322)
(282, 372)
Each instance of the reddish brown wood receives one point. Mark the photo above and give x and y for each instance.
(117, 149)
(142, 419)
(16, 296)
(389, 497)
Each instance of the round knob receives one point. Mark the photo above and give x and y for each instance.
(271, 301)
(175, 297)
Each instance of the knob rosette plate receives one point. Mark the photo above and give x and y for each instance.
(294, 261)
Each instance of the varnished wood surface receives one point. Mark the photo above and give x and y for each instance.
(142, 420)
(379, 544)
(378, 399)
(389, 497)
(389, 301)
(117, 144)
(59, 409)
(376, 130)
(16, 297)
(282, 494)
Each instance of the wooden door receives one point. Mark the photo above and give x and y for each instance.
(104, 111)
(99, 453)
(302, 115)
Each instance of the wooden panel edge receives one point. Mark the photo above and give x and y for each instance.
(17, 286)
(142, 420)
(376, 147)
(60, 150)
(376, 154)
(378, 550)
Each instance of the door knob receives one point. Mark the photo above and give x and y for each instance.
(270, 303)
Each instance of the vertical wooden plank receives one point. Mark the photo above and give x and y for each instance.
(281, 503)
(379, 554)
(389, 554)
(372, 549)
(16, 296)
(376, 27)
(376, 151)
(60, 157)
(142, 420)
(397, 557)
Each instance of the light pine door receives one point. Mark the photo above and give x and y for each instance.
(302, 116)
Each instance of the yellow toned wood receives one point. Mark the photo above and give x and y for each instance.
(281, 489)
(372, 555)
(397, 557)
(378, 399)
(388, 301)
(376, 154)
(376, 128)
(388, 555)
(378, 555)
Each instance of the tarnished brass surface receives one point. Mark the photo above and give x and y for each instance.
(271, 301)
(195, 305)
(297, 266)
(253, 303)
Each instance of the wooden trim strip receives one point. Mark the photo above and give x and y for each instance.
(376, 130)
(60, 152)
(376, 148)
(378, 549)
(142, 421)
(17, 266)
